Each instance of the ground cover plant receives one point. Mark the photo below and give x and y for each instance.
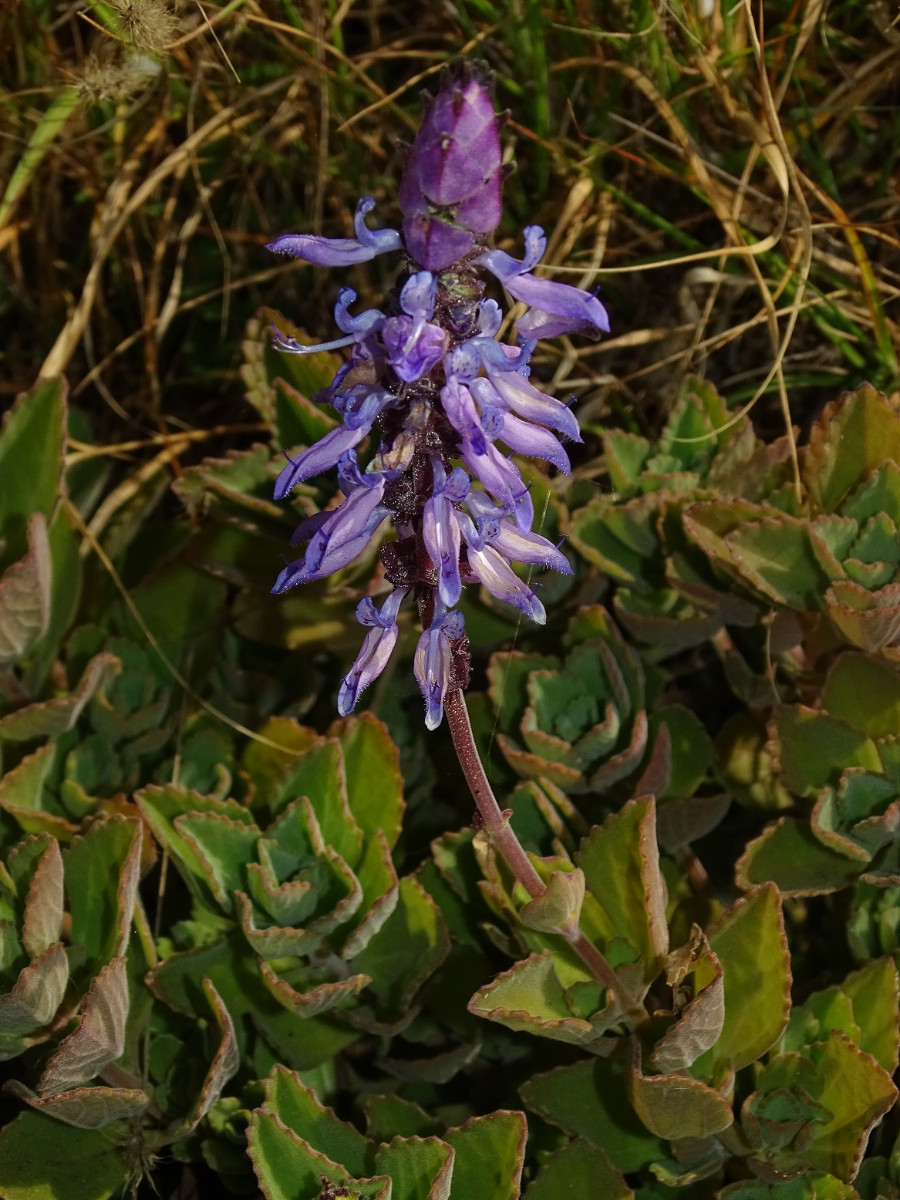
(266, 927)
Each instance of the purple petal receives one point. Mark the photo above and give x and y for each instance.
(527, 547)
(414, 347)
(535, 441)
(319, 457)
(440, 532)
(433, 661)
(376, 648)
(339, 540)
(520, 395)
(340, 252)
(501, 478)
(489, 566)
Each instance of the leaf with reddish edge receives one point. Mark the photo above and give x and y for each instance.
(86, 1107)
(620, 860)
(529, 998)
(420, 1168)
(100, 1037)
(578, 1170)
(320, 775)
(864, 1006)
(749, 941)
(320, 999)
(699, 1023)
(102, 869)
(49, 717)
(287, 1166)
(853, 437)
(302, 1111)
(676, 1106)
(35, 996)
(43, 920)
(223, 847)
(25, 595)
(374, 781)
(586, 1100)
(814, 747)
(161, 806)
(225, 1063)
(790, 855)
(490, 1151)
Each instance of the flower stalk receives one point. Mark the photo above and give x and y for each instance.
(446, 405)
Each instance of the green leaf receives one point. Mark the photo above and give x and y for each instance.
(586, 1100)
(864, 1007)
(101, 874)
(372, 769)
(815, 747)
(406, 950)
(299, 1109)
(419, 1168)
(676, 1106)
(620, 860)
(576, 1172)
(558, 908)
(789, 854)
(161, 806)
(25, 589)
(223, 846)
(41, 1159)
(749, 942)
(529, 998)
(389, 1115)
(853, 437)
(32, 443)
(490, 1151)
(864, 692)
(776, 556)
(287, 1167)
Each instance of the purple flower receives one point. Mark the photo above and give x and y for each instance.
(339, 539)
(376, 649)
(340, 252)
(556, 308)
(428, 381)
(433, 662)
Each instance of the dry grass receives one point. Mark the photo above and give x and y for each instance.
(727, 174)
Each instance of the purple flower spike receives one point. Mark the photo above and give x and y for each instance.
(429, 382)
(340, 252)
(376, 648)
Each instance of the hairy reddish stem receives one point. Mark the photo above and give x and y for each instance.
(504, 838)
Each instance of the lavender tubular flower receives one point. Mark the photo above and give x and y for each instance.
(431, 386)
